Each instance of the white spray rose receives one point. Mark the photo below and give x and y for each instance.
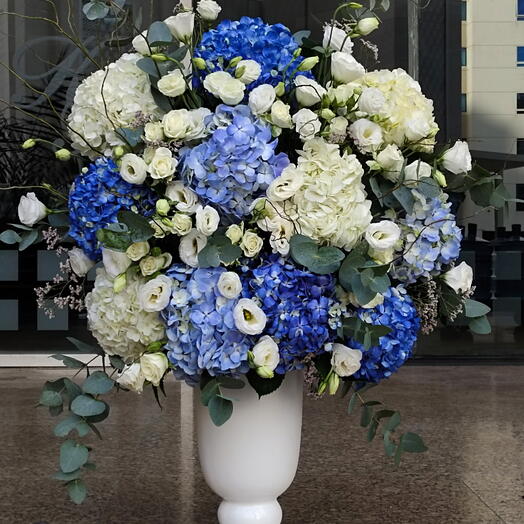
(31, 210)
(197, 128)
(132, 378)
(80, 263)
(155, 294)
(249, 71)
(382, 235)
(176, 123)
(416, 171)
(181, 224)
(235, 233)
(181, 25)
(286, 185)
(417, 127)
(150, 265)
(261, 99)
(391, 160)
(133, 169)
(222, 85)
(154, 132)
(163, 164)
(265, 353)
(173, 84)
(229, 285)
(115, 263)
(208, 10)
(186, 199)
(138, 250)
(190, 246)
(367, 25)
(366, 134)
(460, 278)
(280, 115)
(341, 94)
(308, 92)
(344, 67)
(307, 124)
(457, 160)
(345, 361)
(337, 39)
(154, 367)
(249, 318)
(207, 220)
(251, 244)
(371, 101)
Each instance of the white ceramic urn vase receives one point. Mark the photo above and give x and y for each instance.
(252, 459)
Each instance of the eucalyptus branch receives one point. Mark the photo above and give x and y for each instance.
(45, 187)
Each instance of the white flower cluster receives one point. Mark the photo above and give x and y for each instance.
(109, 99)
(117, 320)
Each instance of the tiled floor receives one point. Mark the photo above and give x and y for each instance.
(472, 418)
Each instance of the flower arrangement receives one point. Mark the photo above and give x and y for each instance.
(256, 203)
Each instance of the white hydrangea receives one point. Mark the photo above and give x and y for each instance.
(109, 99)
(331, 205)
(406, 116)
(116, 320)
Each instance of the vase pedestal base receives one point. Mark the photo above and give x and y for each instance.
(255, 513)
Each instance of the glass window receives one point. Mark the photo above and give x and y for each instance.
(464, 56)
(520, 146)
(464, 102)
(520, 102)
(520, 10)
(520, 56)
(464, 9)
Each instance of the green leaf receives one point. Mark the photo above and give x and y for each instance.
(405, 198)
(58, 219)
(132, 136)
(113, 240)
(87, 406)
(389, 446)
(85, 348)
(69, 361)
(95, 10)
(159, 34)
(230, 382)
(429, 187)
(480, 326)
(352, 403)
(56, 385)
(72, 456)
(54, 411)
(209, 257)
(500, 196)
(372, 430)
(138, 225)
(366, 415)
(98, 383)
(300, 35)
(320, 260)
(393, 422)
(264, 386)
(77, 491)
(64, 427)
(50, 399)
(149, 66)
(10, 237)
(117, 362)
(67, 477)
(220, 410)
(209, 391)
(73, 389)
(21, 226)
(412, 443)
(28, 239)
(93, 419)
(474, 309)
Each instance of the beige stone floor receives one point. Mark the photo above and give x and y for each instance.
(472, 418)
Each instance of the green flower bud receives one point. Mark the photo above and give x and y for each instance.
(28, 144)
(120, 283)
(440, 178)
(162, 206)
(297, 52)
(155, 347)
(308, 63)
(119, 152)
(199, 63)
(265, 372)
(355, 5)
(156, 252)
(327, 114)
(333, 383)
(159, 58)
(276, 131)
(280, 89)
(240, 71)
(234, 62)
(64, 155)
(367, 25)
(322, 387)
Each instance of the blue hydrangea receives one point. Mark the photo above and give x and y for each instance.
(297, 305)
(398, 313)
(95, 199)
(272, 46)
(200, 326)
(432, 239)
(235, 164)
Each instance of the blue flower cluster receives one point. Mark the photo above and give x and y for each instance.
(297, 305)
(201, 328)
(272, 46)
(398, 313)
(95, 199)
(432, 240)
(236, 164)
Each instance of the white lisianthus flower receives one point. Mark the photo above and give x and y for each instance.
(261, 99)
(280, 115)
(229, 285)
(390, 160)
(235, 233)
(222, 85)
(150, 265)
(307, 124)
(80, 263)
(281, 233)
(345, 361)
(416, 171)
(344, 68)
(138, 250)
(181, 224)
(132, 378)
(181, 25)
(459, 278)
(154, 367)
(382, 235)
(141, 45)
(197, 128)
(208, 10)
(367, 25)
(337, 39)
(286, 185)
(207, 220)
(251, 244)
(173, 84)
(133, 169)
(371, 101)
(266, 353)
(249, 318)
(249, 71)
(308, 91)
(457, 160)
(115, 262)
(366, 134)
(190, 246)
(154, 132)
(31, 210)
(155, 294)
(163, 164)
(186, 199)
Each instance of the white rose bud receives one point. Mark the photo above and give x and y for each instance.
(181, 224)
(186, 199)
(367, 25)
(391, 160)
(208, 10)
(371, 101)
(132, 378)
(248, 71)
(190, 246)
(150, 265)
(460, 278)
(163, 164)
(261, 99)
(181, 25)
(154, 295)
(173, 84)
(115, 263)
(80, 263)
(154, 132)
(229, 285)
(141, 45)
(265, 353)
(154, 367)
(345, 361)
(138, 250)
(235, 233)
(337, 39)
(133, 169)
(415, 172)
(382, 235)
(207, 220)
(286, 185)
(344, 68)
(249, 318)
(31, 210)
(176, 123)
(280, 115)
(367, 134)
(222, 85)
(457, 160)
(308, 92)
(307, 124)
(251, 244)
